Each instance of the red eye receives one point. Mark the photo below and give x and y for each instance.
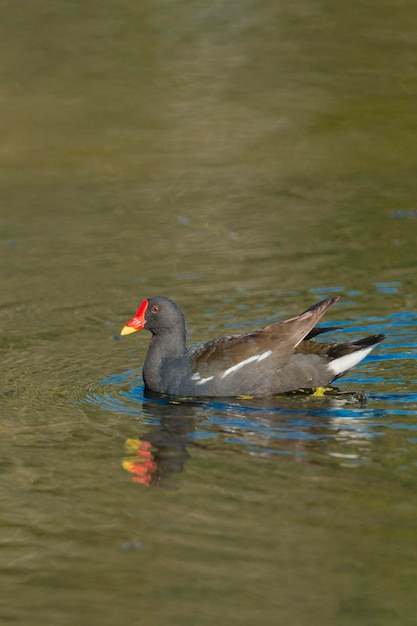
(155, 308)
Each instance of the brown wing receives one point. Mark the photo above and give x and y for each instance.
(281, 338)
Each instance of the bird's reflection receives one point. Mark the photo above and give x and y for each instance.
(295, 423)
(161, 452)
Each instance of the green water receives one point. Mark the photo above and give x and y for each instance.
(245, 159)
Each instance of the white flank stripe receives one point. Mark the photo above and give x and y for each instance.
(264, 355)
(251, 359)
(344, 363)
(205, 380)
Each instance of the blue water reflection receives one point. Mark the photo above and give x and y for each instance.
(341, 425)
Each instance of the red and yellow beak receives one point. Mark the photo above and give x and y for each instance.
(138, 320)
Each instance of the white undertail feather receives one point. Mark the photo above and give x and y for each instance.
(344, 363)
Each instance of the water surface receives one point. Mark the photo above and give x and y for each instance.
(246, 159)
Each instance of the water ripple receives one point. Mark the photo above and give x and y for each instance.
(339, 426)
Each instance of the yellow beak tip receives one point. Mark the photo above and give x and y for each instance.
(127, 330)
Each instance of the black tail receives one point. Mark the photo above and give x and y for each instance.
(366, 342)
(340, 349)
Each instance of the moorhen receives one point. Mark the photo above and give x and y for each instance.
(279, 358)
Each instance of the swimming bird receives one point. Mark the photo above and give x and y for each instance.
(278, 358)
